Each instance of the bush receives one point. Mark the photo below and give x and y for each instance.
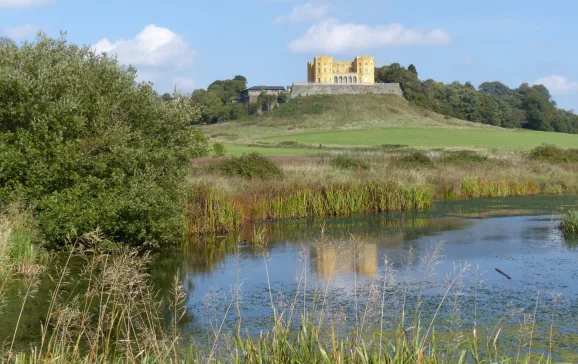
(251, 165)
(343, 162)
(88, 147)
(553, 154)
(415, 159)
(569, 224)
(463, 157)
(219, 149)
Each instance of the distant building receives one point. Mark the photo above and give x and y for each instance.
(324, 70)
(250, 95)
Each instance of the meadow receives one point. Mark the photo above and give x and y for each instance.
(348, 121)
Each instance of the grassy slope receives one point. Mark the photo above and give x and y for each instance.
(368, 120)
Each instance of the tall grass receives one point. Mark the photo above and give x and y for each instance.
(214, 211)
(569, 224)
(108, 312)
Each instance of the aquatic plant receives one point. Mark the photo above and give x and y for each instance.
(214, 211)
(569, 224)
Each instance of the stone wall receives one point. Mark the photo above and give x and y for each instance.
(309, 89)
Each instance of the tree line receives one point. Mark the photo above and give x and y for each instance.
(220, 101)
(493, 103)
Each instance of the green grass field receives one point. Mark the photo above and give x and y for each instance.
(345, 121)
(435, 138)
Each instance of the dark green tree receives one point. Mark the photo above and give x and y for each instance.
(87, 146)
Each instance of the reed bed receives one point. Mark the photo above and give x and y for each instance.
(211, 210)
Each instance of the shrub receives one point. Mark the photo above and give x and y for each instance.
(87, 146)
(251, 165)
(219, 149)
(343, 162)
(569, 224)
(415, 159)
(553, 154)
(463, 157)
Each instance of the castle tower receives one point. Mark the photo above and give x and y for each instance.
(324, 70)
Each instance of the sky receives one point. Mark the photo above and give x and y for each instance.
(191, 43)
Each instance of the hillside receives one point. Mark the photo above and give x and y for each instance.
(322, 113)
(368, 121)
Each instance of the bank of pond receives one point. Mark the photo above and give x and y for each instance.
(405, 286)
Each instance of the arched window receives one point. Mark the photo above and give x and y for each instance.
(335, 79)
(350, 79)
(345, 79)
(354, 79)
(340, 79)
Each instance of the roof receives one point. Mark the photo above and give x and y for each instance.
(266, 88)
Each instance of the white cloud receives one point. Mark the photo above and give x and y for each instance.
(331, 36)
(160, 55)
(304, 13)
(20, 32)
(558, 85)
(153, 46)
(22, 3)
(466, 60)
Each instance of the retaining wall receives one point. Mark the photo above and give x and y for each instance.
(309, 89)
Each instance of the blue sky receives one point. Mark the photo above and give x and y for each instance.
(192, 43)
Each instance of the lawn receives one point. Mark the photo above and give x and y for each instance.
(434, 138)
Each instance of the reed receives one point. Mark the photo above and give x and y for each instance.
(569, 224)
(116, 318)
(476, 187)
(214, 211)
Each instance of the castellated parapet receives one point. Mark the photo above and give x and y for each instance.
(310, 89)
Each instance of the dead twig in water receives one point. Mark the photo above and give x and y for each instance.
(502, 273)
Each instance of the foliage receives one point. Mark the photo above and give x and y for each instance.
(463, 157)
(87, 146)
(569, 224)
(282, 98)
(415, 159)
(343, 162)
(492, 103)
(219, 102)
(252, 165)
(553, 154)
(219, 149)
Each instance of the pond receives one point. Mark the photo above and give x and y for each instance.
(381, 266)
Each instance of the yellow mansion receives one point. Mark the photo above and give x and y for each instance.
(324, 70)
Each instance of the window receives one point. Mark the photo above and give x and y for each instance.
(366, 70)
(319, 80)
(366, 63)
(324, 70)
(319, 70)
(335, 79)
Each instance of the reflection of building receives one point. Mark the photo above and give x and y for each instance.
(324, 70)
(330, 259)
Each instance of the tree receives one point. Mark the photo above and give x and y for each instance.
(89, 147)
(412, 69)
